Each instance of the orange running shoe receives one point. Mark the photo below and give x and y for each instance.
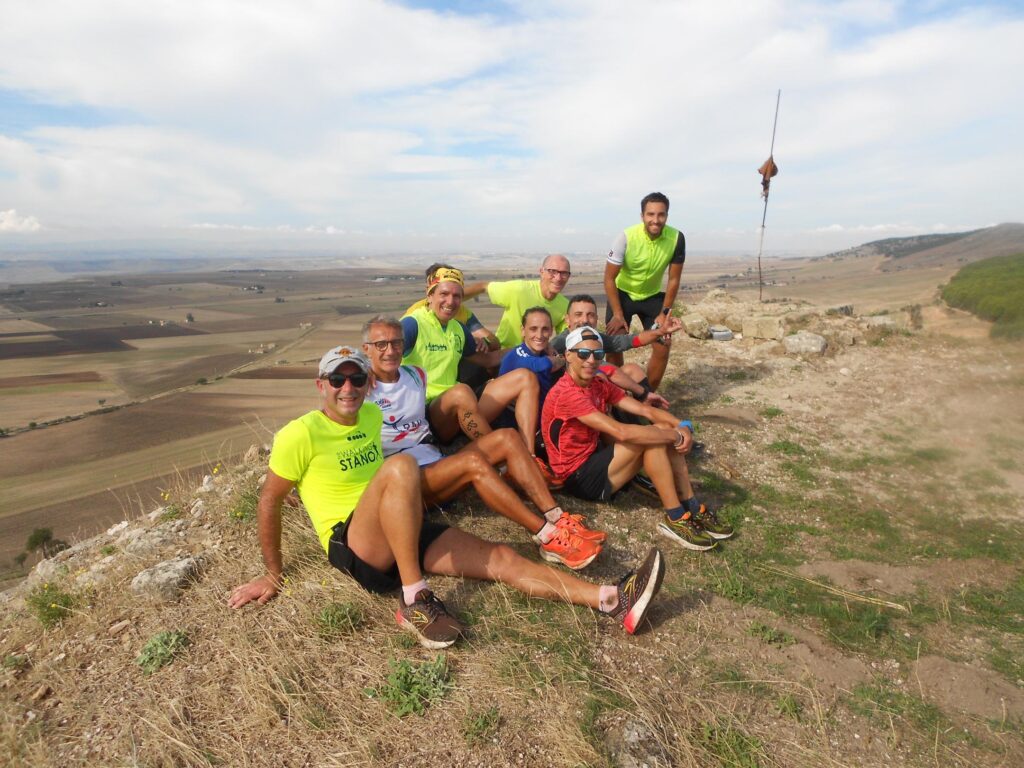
(569, 550)
(574, 524)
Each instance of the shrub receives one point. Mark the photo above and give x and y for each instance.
(161, 650)
(50, 604)
(338, 619)
(245, 505)
(38, 538)
(411, 688)
(480, 726)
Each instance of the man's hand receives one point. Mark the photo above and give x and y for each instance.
(655, 400)
(687, 444)
(262, 590)
(557, 361)
(616, 326)
(671, 325)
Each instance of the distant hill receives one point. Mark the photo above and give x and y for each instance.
(941, 250)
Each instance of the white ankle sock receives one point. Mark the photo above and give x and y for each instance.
(553, 514)
(547, 533)
(409, 592)
(609, 597)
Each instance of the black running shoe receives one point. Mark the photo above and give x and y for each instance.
(429, 620)
(637, 589)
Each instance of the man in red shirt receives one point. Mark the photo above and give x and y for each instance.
(575, 421)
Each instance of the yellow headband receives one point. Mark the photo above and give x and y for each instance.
(444, 275)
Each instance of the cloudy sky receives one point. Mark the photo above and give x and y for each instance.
(494, 125)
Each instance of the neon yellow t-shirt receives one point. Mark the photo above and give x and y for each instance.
(517, 296)
(330, 464)
(645, 261)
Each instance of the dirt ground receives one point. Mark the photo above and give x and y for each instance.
(867, 613)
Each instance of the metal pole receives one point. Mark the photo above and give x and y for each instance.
(764, 214)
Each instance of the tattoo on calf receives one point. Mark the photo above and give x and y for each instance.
(470, 426)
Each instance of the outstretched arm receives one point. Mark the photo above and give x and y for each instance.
(474, 289)
(266, 587)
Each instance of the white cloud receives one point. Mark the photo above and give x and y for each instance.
(380, 119)
(10, 221)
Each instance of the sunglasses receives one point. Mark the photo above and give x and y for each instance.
(397, 344)
(584, 353)
(337, 380)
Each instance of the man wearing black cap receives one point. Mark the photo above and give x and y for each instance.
(574, 419)
(368, 514)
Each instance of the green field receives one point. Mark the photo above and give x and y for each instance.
(993, 289)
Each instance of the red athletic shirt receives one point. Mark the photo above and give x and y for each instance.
(570, 442)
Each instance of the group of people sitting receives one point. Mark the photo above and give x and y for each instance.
(557, 414)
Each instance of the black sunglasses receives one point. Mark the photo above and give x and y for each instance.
(584, 353)
(337, 380)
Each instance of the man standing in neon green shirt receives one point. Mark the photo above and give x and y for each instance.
(636, 267)
(517, 296)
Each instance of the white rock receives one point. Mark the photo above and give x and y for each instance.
(116, 528)
(696, 326)
(166, 580)
(845, 371)
(805, 343)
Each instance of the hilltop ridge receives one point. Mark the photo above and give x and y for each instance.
(865, 614)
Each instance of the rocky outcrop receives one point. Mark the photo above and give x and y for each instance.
(167, 580)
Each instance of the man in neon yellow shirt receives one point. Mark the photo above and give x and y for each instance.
(636, 267)
(464, 315)
(436, 342)
(369, 516)
(517, 296)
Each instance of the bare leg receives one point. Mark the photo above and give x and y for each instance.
(626, 461)
(500, 446)
(454, 410)
(445, 478)
(634, 371)
(658, 362)
(681, 473)
(385, 526)
(457, 553)
(521, 387)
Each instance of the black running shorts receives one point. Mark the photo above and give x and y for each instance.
(368, 577)
(647, 310)
(591, 481)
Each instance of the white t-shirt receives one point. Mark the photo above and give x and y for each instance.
(404, 405)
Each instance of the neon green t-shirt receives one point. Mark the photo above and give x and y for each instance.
(330, 464)
(517, 296)
(645, 261)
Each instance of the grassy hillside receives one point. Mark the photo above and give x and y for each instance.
(993, 289)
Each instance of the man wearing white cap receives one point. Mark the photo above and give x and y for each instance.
(574, 419)
(368, 514)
